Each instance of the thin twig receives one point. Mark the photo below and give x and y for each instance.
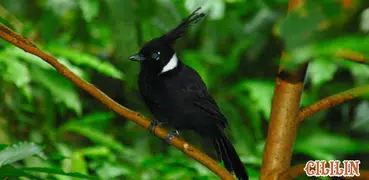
(293, 172)
(24, 44)
(333, 100)
(352, 56)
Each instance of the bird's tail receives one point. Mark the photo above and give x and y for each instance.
(229, 156)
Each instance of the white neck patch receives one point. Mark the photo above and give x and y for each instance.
(173, 63)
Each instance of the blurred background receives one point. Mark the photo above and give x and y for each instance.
(236, 49)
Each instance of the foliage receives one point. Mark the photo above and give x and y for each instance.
(236, 50)
(18, 152)
(22, 151)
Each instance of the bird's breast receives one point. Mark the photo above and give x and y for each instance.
(165, 90)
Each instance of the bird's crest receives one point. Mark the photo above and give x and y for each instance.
(182, 27)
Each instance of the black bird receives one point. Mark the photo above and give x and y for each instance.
(176, 94)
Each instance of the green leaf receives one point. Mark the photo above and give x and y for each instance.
(237, 126)
(193, 59)
(13, 51)
(364, 24)
(360, 72)
(84, 59)
(298, 56)
(353, 45)
(175, 173)
(202, 170)
(153, 161)
(95, 151)
(308, 98)
(98, 120)
(232, 62)
(34, 60)
(15, 71)
(321, 70)
(78, 163)
(110, 171)
(75, 69)
(361, 119)
(253, 114)
(261, 92)
(343, 44)
(263, 20)
(61, 7)
(20, 151)
(253, 173)
(57, 157)
(9, 171)
(96, 136)
(3, 146)
(326, 146)
(61, 89)
(90, 9)
(55, 171)
(301, 27)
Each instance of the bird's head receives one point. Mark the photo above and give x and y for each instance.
(158, 54)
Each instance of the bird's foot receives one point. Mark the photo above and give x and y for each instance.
(153, 125)
(171, 135)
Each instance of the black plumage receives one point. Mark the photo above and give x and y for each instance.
(176, 94)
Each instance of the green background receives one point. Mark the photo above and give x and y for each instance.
(236, 49)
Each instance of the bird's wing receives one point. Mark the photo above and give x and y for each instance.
(208, 105)
(202, 98)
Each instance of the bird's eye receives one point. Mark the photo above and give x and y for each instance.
(155, 56)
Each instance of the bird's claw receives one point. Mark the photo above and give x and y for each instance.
(170, 136)
(153, 125)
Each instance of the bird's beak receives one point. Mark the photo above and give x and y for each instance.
(137, 57)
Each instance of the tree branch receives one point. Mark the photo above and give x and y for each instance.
(283, 119)
(352, 56)
(24, 44)
(333, 100)
(293, 172)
